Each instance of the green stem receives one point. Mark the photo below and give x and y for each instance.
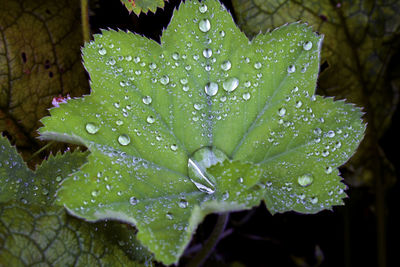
(40, 150)
(211, 242)
(85, 20)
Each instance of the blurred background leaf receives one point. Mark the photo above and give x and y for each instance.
(39, 60)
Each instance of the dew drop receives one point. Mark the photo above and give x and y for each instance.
(150, 119)
(328, 170)
(136, 59)
(282, 112)
(147, 100)
(291, 69)
(133, 201)
(226, 65)
(92, 128)
(317, 131)
(204, 25)
(128, 58)
(169, 216)
(164, 80)
(246, 96)
(240, 180)
(305, 180)
(152, 66)
(211, 88)
(124, 139)
(183, 203)
(307, 45)
(119, 122)
(230, 84)
(314, 200)
(207, 53)
(203, 9)
(95, 193)
(299, 104)
(174, 147)
(325, 153)
(102, 51)
(330, 134)
(257, 65)
(111, 62)
(175, 56)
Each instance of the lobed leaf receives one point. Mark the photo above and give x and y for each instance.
(34, 231)
(208, 121)
(138, 6)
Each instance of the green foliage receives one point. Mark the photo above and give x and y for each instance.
(360, 41)
(39, 59)
(205, 122)
(35, 231)
(138, 6)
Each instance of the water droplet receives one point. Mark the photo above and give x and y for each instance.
(230, 84)
(111, 62)
(240, 180)
(299, 104)
(128, 58)
(203, 9)
(133, 201)
(169, 216)
(164, 80)
(95, 193)
(136, 59)
(246, 96)
(147, 100)
(328, 170)
(183, 203)
(174, 147)
(92, 128)
(325, 153)
(226, 65)
(119, 122)
(317, 131)
(204, 25)
(211, 88)
(282, 112)
(338, 145)
(152, 66)
(291, 69)
(257, 65)
(247, 84)
(307, 45)
(330, 134)
(58, 178)
(124, 139)
(305, 180)
(150, 119)
(198, 106)
(207, 53)
(175, 56)
(102, 51)
(314, 200)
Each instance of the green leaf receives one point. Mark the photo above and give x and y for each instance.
(35, 231)
(359, 47)
(205, 122)
(138, 6)
(39, 60)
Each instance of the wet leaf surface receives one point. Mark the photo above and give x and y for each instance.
(205, 122)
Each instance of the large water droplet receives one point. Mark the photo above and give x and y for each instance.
(305, 180)
(291, 69)
(175, 56)
(147, 100)
(92, 128)
(307, 45)
(124, 139)
(198, 163)
(207, 53)
(230, 84)
(204, 25)
(226, 65)
(164, 80)
(174, 147)
(211, 88)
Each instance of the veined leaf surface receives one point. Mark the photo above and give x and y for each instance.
(208, 121)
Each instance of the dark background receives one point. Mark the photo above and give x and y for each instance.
(345, 237)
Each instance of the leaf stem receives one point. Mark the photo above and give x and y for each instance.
(40, 150)
(85, 20)
(211, 242)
